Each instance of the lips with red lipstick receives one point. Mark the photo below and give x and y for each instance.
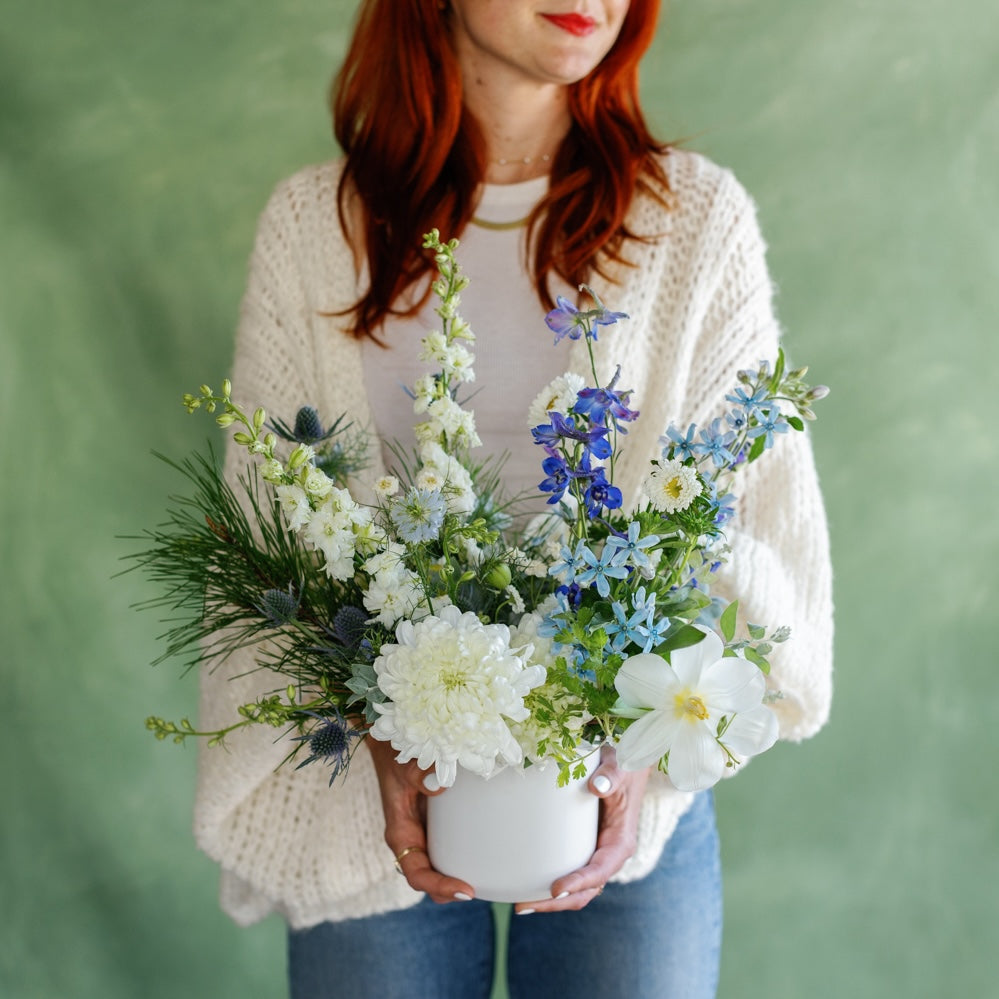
(575, 24)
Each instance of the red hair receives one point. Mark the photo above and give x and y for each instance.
(415, 157)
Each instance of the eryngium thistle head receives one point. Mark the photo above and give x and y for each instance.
(330, 743)
(278, 606)
(349, 625)
(308, 427)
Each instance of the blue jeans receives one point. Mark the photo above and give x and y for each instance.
(657, 937)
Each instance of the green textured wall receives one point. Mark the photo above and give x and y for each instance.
(138, 141)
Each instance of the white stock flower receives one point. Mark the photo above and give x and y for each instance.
(453, 685)
(317, 483)
(559, 396)
(678, 706)
(294, 505)
(672, 486)
(457, 424)
(392, 595)
(441, 471)
(423, 393)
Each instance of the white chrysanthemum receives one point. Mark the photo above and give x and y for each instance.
(678, 706)
(294, 505)
(454, 685)
(672, 486)
(559, 396)
(386, 486)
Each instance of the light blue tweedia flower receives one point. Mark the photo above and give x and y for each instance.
(749, 402)
(624, 630)
(600, 571)
(571, 561)
(769, 421)
(629, 549)
(658, 631)
(677, 445)
(419, 515)
(715, 443)
(737, 419)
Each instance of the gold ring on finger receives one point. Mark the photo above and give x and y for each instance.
(406, 853)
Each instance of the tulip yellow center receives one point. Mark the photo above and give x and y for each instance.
(690, 707)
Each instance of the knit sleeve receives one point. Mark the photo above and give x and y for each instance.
(779, 567)
(278, 832)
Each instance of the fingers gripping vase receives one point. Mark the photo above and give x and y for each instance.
(511, 835)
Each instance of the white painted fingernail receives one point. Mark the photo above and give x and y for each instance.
(462, 897)
(524, 912)
(561, 894)
(601, 783)
(431, 783)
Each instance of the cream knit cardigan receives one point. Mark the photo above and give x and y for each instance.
(699, 299)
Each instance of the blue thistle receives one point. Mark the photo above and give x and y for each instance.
(278, 606)
(349, 625)
(330, 743)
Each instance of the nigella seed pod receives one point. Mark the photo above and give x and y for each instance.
(308, 427)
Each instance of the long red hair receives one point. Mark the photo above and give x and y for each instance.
(415, 156)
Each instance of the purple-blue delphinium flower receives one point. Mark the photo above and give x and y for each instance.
(557, 477)
(599, 571)
(567, 320)
(769, 421)
(563, 428)
(601, 494)
(630, 548)
(715, 443)
(677, 445)
(419, 515)
(598, 403)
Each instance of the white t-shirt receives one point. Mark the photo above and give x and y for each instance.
(515, 353)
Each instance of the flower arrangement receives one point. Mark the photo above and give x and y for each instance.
(421, 617)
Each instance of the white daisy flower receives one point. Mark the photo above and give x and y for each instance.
(672, 486)
(559, 396)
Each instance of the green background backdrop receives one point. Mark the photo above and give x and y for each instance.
(139, 141)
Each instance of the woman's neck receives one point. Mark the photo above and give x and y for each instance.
(522, 127)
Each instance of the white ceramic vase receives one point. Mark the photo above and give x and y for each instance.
(511, 835)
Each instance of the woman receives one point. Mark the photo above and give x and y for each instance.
(515, 125)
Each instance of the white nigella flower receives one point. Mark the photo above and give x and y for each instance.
(559, 396)
(672, 486)
(454, 686)
(678, 706)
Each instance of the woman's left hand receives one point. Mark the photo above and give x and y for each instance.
(621, 793)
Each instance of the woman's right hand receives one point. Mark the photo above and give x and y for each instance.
(403, 793)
